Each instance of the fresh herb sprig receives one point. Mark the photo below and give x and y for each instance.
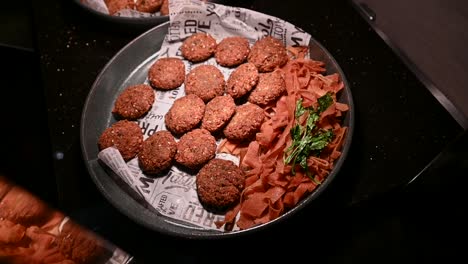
(308, 139)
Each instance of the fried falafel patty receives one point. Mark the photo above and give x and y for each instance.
(124, 135)
(196, 148)
(21, 207)
(114, 6)
(185, 114)
(267, 54)
(245, 123)
(134, 102)
(205, 81)
(148, 6)
(242, 80)
(218, 112)
(167, 73)
(164, 8)
(232, 51)
(269, 88)
(220, 184)
(157, 153)
(198, 47)
(80, 245)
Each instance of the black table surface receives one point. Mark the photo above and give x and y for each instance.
(400, 128)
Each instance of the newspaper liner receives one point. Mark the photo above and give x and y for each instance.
(174, 195)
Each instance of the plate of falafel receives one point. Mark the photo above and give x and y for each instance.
(130, 14)
(212, 133)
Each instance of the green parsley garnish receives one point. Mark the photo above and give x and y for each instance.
(307, 139)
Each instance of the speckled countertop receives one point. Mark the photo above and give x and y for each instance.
(400, 127)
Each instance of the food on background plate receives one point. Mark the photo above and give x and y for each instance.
(157, 153)
(40, 234)
(270, 87)
(148, 6)
(232, 51)
(134, 102)
(143, 6)
(198, 47)
(23, 208)
(185, 114)
(205, 81)
(167, 73)
(79, 245)
(126, 136)
(218, 112)
(242, 80)
(164, 8)
(268, 54)
(195, 148)
(245, 123)
(219, 184)
(115, 6)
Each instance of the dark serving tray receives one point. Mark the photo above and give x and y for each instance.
(130, 65)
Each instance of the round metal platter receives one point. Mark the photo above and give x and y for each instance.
(130, 66)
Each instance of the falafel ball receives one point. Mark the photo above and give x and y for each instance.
(242, 80)
(185, 114)
(20, 206)
(232, 51)
(164, 8)
(245, 123)
(157, 153)
(205, 81)
(134, 102)
(114, 6)
(124, 135)
(148, 6)
(218, 112)
(198, 47)
(220, 184)
(167, 73)
(196, 148)
(80, 245)
(269, 88)
(267, 54)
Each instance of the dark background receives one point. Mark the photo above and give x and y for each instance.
(53, 51)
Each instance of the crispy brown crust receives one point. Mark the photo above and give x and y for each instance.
(134, 102)
(195, 148)
(220, 184)
(148, 6)
(157, 153)
(185, 114)
(269, 88)
(5, 187)
(19, 206)
(242, 80)
(267, 54)
(115, 6)
(205, 81)
(245, 123)
(164, 8)
(124, 135)
(232, 51)
(167, 73)
(198, 47)
(81, 246)
(218, 112)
